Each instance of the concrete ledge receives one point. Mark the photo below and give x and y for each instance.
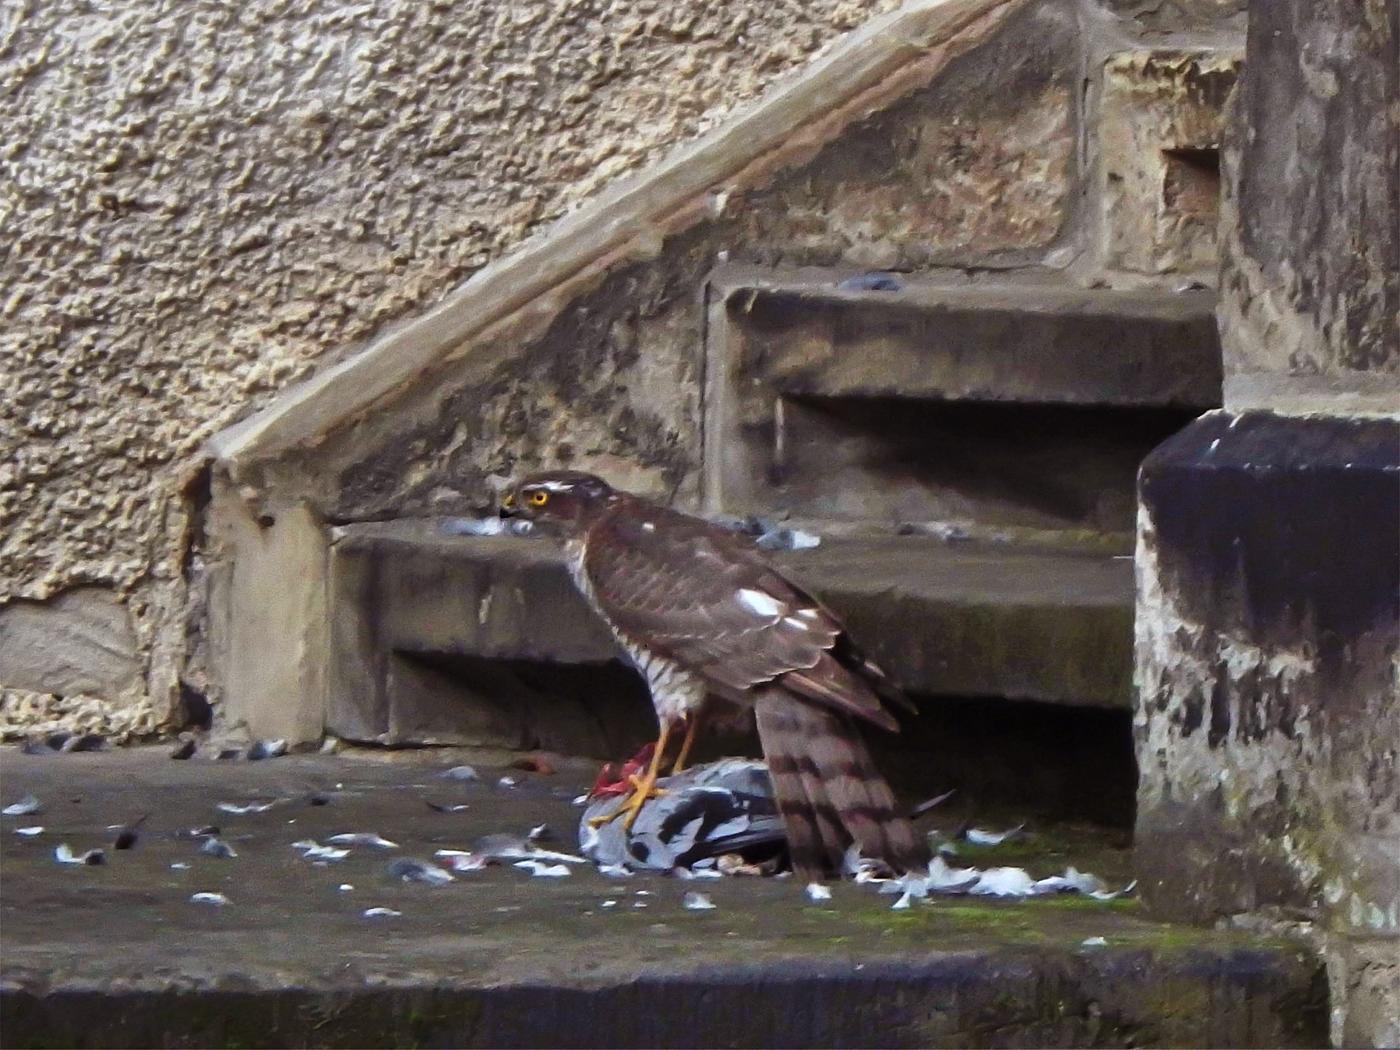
(117, 955)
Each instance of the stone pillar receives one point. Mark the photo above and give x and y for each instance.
(1268, 609)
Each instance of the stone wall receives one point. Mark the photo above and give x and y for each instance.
(1268, 603)
(209, 203)
(203, 201)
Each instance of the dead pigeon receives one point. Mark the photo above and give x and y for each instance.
(65, 855)
(720, 808)
(23, 808)
(410, 869)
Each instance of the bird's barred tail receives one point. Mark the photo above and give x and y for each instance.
(828, 790)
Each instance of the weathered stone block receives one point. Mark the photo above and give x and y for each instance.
(1268, 643)
(80, 642)
(1310, 281)
(946, 402)
(444, 639)
(1160, 130)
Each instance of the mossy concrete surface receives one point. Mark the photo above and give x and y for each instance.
(119, 955)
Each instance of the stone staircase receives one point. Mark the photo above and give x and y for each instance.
(967, 452)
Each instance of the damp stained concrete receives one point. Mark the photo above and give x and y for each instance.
(120, 955)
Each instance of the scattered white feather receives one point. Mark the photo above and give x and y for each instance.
(760, 603)
(345, 887)
(459, 773)
(818, 892)
(507, 782)
(610, 903)
(218, 900)
(945, 879)
(179, 865)
(539, 869)
(697, 902)
(23, 808)
(461, 860)
(1004, 882)
(314, 851)
(1094, 942)
(580, 800)
(981, 837)
(1075, 881)
(614, 871)
(243, 809)
(905, 899)
(410, 869)
(30, 832)
(65, 855)
(362, 838)
(381, 913)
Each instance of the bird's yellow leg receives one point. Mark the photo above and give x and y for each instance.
(692, 727)
(646, 788)
(643, 787)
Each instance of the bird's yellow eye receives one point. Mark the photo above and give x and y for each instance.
(539, 498)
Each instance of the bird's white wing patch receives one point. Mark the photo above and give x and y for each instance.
(760, 603)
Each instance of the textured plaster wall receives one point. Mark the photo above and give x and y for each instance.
(202, 199)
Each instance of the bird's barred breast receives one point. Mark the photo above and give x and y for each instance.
(675, 692)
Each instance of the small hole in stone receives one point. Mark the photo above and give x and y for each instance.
(1191, 188)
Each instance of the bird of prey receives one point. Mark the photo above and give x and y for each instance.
(711, 624)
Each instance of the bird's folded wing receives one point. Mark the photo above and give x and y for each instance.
(706, 598)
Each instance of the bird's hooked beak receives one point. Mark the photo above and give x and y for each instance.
(508, 508)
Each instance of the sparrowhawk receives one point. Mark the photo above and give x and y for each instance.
(708, 621)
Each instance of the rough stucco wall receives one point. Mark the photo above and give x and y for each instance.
(201, 200)
(976, 166)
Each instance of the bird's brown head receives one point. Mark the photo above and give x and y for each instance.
(568, 500)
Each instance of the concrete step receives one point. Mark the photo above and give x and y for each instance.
(118, 955)
(953, 619)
